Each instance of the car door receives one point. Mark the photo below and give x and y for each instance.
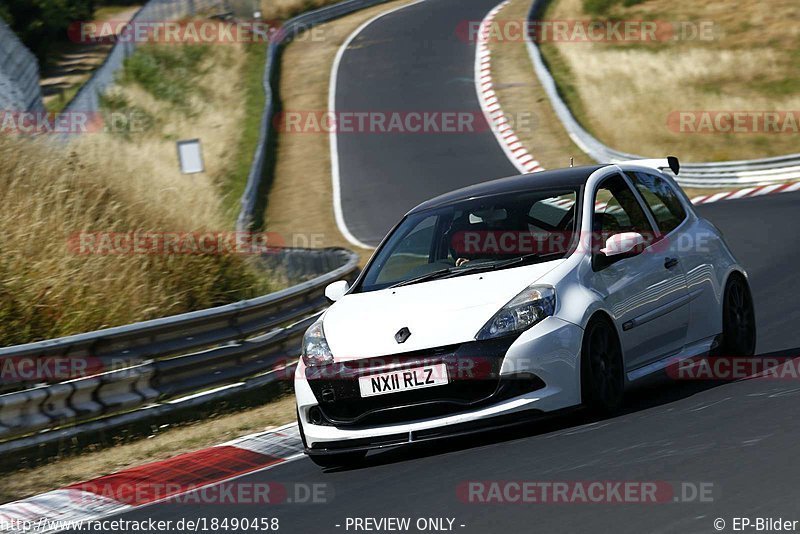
(646, 293)
(683, 240)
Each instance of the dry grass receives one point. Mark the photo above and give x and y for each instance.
(300, 199)
(152, 183)
(116, 175)
(214, 112)
(117, 183)
(284, 9)
(127, 182)
(521, 95)
(624, 93)
(165, 444)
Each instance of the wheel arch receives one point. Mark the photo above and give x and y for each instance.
(601, 314)
(597, 314)
(735, 270)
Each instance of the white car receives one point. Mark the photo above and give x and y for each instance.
(500, 302)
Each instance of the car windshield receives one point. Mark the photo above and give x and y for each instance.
(487, 233)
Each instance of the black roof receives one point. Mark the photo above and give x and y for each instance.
(570, 177)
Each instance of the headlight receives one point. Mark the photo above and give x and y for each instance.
(315, 348)
(525, 310)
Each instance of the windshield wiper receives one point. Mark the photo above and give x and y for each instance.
(494, 265)
(422, 278)
(452, 272)
(525, 258)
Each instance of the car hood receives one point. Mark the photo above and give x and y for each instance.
(438, 313)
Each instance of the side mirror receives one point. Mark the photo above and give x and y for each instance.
(337, 290)
(623, 245)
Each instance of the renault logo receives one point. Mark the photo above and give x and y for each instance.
(402, 335)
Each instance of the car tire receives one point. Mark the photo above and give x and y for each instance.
(602, 368)
(738, 319)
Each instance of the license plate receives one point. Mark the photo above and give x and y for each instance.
(403, 380)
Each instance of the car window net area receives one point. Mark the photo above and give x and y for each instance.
(661, 200)
(539, 226)
(616, 211)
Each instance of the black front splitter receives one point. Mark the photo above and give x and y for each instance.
(432, 434)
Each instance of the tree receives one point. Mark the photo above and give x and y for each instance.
(40, 24)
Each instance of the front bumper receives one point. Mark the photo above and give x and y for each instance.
(536, 373)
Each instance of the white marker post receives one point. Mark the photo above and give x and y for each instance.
(190, 155)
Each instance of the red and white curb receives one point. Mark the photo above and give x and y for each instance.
(66, 508)
(497, 120)
(748, 193)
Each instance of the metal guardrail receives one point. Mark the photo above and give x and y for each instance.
(718, 174)
(205, 354)
(19, 74)
(292, 27)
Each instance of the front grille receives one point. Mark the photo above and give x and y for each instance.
(473, 372)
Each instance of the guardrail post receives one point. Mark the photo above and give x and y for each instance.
(82, 400)
(21, 412)
(118, 389)
(144, 384)
(56, 405)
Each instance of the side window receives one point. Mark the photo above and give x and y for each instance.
(661, 199)
(616, 210)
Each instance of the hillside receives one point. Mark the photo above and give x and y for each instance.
(712, 64)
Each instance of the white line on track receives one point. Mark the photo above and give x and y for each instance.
(334, 143)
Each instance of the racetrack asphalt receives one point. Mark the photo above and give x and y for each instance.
(416, 59)
(736, 439)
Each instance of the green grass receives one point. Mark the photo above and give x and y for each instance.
(562, 74)
(109, 12)
(56, 105)
(787, 85)
(236, 179)
(171, 74)
(168, 73)
(604, 7)
(127, 118)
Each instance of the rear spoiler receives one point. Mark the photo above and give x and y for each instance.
(670, 162)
